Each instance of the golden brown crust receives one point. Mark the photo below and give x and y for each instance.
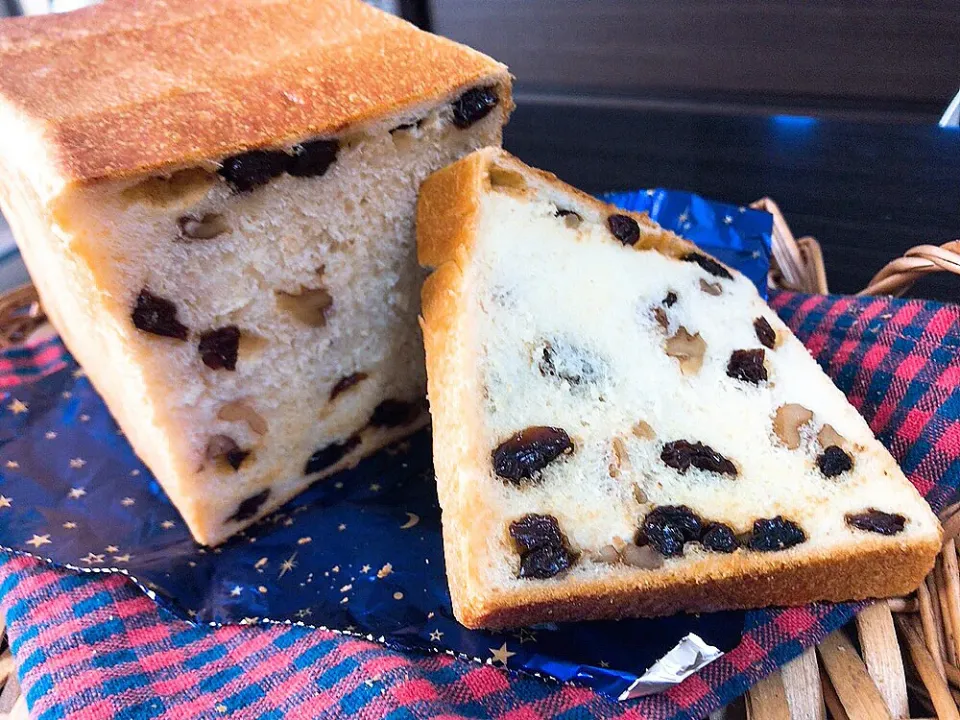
(447, 218)
(753, 580)
(131, 86)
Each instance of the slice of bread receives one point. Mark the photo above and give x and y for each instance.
(622, 427)
(216, 203)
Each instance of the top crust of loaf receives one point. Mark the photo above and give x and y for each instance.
(136, 86)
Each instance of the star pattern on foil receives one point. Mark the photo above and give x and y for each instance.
(604, 664)
(436, 636)
(84, 418)
(69, 525)
(365, 569)
(122, 558)
(167, 524)
(525, 635)
(92, 559)
(77, 493)
(128, 501)
(38, 540)
(5, 502)
(13, 464)
(235, 592)
(111, 549)
(287, 565)
(727, 219)
(501, 655)
(17, 407)
(50, 435)
(304, 612)
(77, 463)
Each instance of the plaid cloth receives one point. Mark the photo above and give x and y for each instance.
(93, 646)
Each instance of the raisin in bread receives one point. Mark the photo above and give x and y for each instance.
(216, 203)
(622, 427)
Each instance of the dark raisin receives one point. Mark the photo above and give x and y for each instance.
(235, 457)
(543, 548)
(312, 159)
(529, 451)
(834, 461)
(747, 365)
(719, 538)
(157, 315)
(670, 299)
(679, 516)
(534, 530)
(249, 507)
(668, 527)
(624, 228)
(345, 383)
(776, 533)
(394, 413)
(330, 455)
(765, 333)
(252, 169)
(681, 454)
(877, 521)
(708, 264)
(565, 361)
(561, 212)
(475, 104)
(218, 348)
(544, 562)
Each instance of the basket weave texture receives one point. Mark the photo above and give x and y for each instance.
(899, 654)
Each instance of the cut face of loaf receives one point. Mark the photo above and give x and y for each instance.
(622, 427)
(250, 317)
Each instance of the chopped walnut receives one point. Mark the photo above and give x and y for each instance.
(688, 349)
(660, 315)
(240, 411)
(309, 306)
(643, 430)
(828, 436)
(640, 496)
(788, 421)
(205, 228)
(607, 554)
(225, 448)
(711, 288)
(509, 180)
(621, 460)
(645, 558)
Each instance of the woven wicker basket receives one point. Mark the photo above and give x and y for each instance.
(898, 655)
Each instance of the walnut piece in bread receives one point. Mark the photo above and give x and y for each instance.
(622, 427)
(216, 204)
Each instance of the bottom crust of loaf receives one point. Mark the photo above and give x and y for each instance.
(868, 573)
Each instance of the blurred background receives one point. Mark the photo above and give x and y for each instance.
(830, 107)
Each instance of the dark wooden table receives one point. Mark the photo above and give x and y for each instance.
(867, 192)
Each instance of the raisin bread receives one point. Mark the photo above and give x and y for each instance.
(622, 427)
(216, 203)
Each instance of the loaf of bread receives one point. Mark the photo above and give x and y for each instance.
(216, 203)
(622, 427)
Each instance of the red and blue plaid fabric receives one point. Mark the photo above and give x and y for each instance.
(93, 646)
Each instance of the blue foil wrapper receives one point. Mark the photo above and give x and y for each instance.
(735, 234)
(360, 552)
